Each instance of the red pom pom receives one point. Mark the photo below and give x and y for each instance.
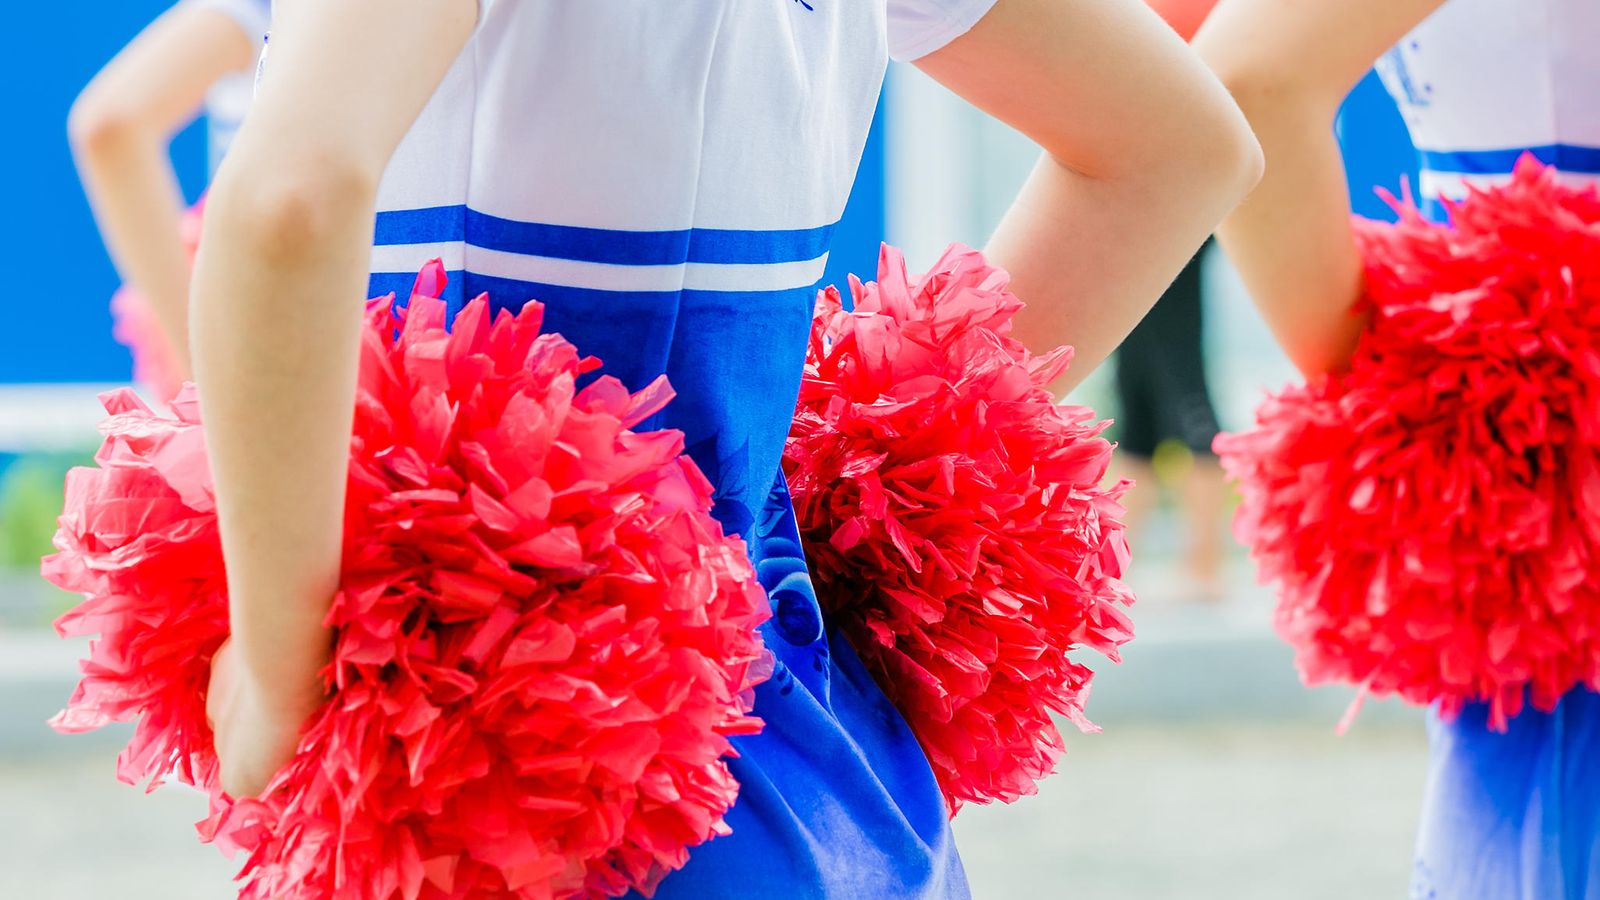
(955, 518)
(543, 640)
(1432, 515)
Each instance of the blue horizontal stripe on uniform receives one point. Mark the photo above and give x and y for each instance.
(715, 246)
(632, 331)
(512, 293)
(1565, 157)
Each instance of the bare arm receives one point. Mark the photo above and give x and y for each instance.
(1144, 154)
(1290, 65)
(120, 127)
(277, 308)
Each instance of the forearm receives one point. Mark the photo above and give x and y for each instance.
(277, 308)
(277, 304)
(1291, 239)
(1090, 256)
(1144, 154)
(1289, 65)
(120, 128)
(134, 193)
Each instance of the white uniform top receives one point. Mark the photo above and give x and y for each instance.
(229, 98)
(1481, 81)
(629, 146)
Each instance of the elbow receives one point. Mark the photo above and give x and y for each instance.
(283, 213)
(1200, 146)
(1238, 157)
(1239, 116)
(1224, 157)
(98, 127)
(1248, 161)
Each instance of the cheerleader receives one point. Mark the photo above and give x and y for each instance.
(665, 178)
(199, 55)
(1512, 808)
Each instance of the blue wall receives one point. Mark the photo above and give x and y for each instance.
(60, 279)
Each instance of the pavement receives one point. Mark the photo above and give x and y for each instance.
(1241, 811)
(1234, 812)
(1217, 776)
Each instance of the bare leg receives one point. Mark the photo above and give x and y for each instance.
(1203, 494)
(1141, 500)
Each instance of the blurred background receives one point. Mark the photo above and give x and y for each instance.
(1217, 774)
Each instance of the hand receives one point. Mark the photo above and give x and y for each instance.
(256, 730)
